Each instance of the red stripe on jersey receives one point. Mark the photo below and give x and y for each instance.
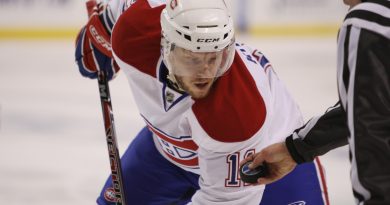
(136, 36)
(193, 163)
(234, 110)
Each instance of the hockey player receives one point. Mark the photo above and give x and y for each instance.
(364, 114)
(207, 101)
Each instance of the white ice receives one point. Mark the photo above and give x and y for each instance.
(52, 143)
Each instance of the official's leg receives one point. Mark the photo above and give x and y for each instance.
(149, 179)
(304, 185)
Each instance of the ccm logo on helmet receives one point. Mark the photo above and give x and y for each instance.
(207, 40)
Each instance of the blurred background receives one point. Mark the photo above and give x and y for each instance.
(52, 142)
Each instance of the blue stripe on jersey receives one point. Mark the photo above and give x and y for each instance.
(162, 72)
(264, 61)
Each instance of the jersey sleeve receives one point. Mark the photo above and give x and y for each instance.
(284, 113)
(136, 37)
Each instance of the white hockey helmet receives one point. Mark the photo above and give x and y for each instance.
(200, 27)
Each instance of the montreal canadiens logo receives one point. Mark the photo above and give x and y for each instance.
(109, 195)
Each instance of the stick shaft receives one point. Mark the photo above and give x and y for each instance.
(108, 117)
(116, 168)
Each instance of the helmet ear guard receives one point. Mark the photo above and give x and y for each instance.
(198, 26)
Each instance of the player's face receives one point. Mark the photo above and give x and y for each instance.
(195, 71)
(197, 87)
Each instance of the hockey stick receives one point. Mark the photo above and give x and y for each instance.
(108, 117)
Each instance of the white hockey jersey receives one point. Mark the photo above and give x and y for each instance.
(247, 109)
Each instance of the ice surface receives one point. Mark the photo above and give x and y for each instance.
(52, 143)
